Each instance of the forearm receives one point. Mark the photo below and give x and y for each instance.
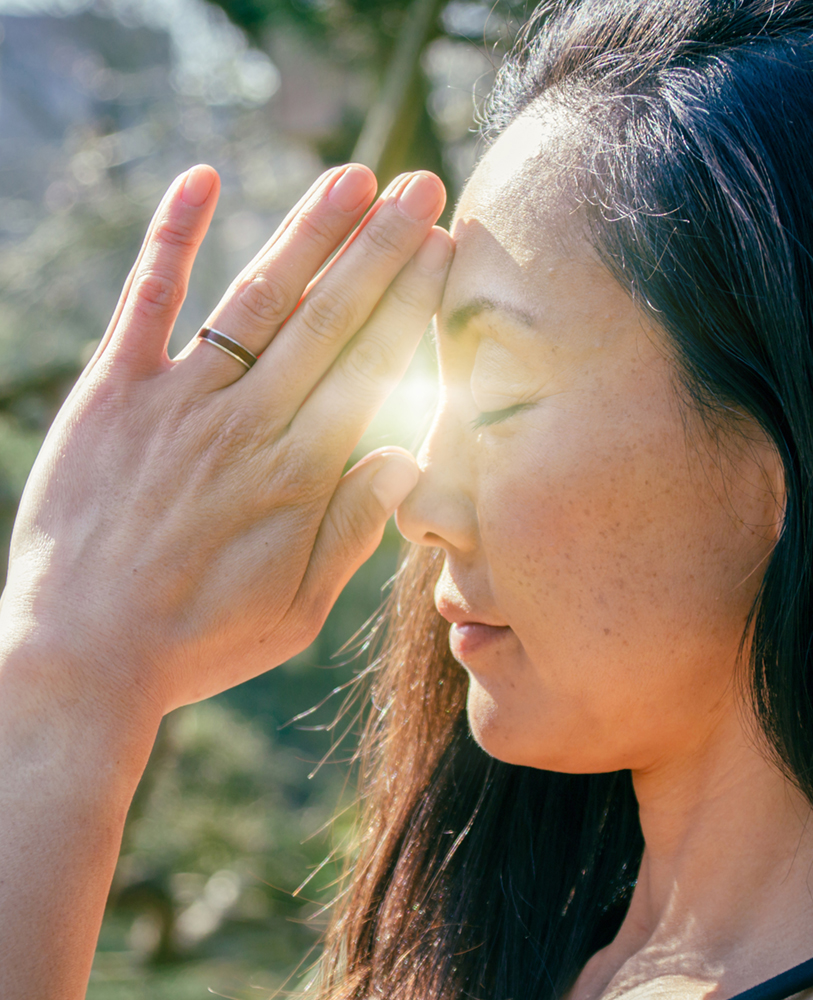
(68, 770)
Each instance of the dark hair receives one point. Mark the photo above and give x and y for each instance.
(475, 878)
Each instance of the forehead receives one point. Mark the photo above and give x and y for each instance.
(520, 242)
(517, 228)
(522, 188)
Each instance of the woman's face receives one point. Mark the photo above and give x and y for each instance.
(602, 552)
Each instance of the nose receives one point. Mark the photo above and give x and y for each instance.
(441, 510)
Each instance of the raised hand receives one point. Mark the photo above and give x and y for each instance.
(187, 525)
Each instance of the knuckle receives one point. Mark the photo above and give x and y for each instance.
(384, 240)
(407, 297)
(316, 229)
(159, 293)
(298, 479)
(291, 485)
(309, 611)
(354, 528)
(234, 438)
(173, 233)
(370, 363)
(304, 632)
(264, 300)
(326, 313)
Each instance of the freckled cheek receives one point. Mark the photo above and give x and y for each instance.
(552, 525)
(609, 546)
(574, 536)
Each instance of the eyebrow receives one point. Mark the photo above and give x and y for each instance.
(459, 318)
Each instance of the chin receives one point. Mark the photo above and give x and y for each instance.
(498, 731)
(507, 733)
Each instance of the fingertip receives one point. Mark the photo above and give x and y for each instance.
(395, 479)
(355, 165)
(198, 185)
(424, 197)
(435, 253)
(353, 189)
(363, 168)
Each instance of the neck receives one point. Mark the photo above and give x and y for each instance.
(723, 891)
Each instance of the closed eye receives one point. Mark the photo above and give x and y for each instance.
(495, 416)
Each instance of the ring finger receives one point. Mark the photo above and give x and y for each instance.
(268, 290)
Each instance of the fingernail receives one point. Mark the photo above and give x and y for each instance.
(396, 182)
(324, 177)
(320, 183)
(394, 481)
(419, 198)
(198, 186)
(351, 190)
(435, 251)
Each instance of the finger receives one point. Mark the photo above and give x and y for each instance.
(156, 287)
(344, 298)
(170, 195)
(125, 291)
(395, 186)
(353, 524)
(345, 401)
(259, 301)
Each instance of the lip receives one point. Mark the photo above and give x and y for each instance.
(467, 639)
(457, 615)
(470, 633)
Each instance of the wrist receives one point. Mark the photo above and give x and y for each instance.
(62, 730)
(70, 761)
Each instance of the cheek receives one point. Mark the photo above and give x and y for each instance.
(625, 576)
(619, 514)
(575, 521)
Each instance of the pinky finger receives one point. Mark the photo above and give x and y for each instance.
(156, 287)
(353, 524)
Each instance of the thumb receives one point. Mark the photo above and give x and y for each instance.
(354, 522)
(393, 479)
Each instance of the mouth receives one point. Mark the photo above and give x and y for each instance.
(469, 635)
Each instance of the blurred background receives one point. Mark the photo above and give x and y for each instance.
(223, 874)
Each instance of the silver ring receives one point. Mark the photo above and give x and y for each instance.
(228, 345)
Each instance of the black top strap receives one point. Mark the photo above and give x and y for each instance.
(799, 978)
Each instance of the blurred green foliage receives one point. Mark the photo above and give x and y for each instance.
(389, 39)
(255, 16)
